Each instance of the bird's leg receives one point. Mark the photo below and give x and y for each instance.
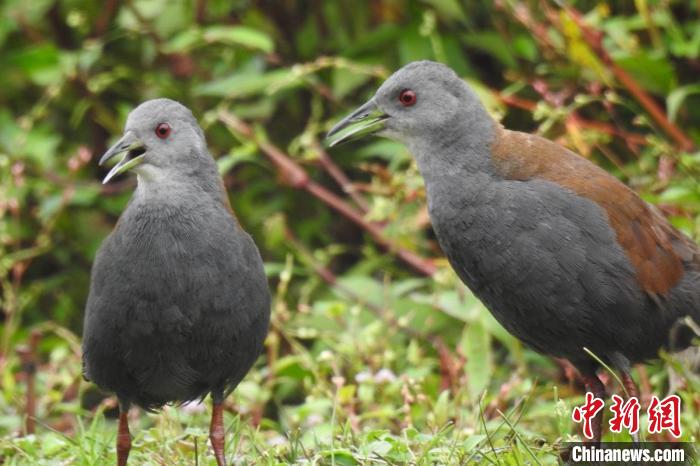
(595, 386)
(123, 435)
(216, 429)
(629, 384)
(632, 391)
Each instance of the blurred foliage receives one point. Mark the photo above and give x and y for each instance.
(386, 366)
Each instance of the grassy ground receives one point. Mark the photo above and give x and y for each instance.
(341, 383)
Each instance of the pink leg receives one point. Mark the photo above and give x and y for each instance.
(217, 433)
(123, 437)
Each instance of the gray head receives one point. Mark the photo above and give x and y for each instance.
(161, 140)
(423, 100)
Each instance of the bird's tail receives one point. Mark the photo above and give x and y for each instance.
(685, 339)
(684, 332)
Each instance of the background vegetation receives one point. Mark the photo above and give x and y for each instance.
(377, 354)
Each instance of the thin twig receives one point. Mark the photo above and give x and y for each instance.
(522, 14)
(27, 355)
(201, 11)
(294, 175)
(339, 176)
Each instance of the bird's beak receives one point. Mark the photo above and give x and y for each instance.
(135, 150)
(365, 120)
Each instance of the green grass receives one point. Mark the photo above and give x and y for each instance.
(338, 385)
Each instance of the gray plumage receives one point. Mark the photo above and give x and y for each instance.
(179, 304)
(529, 239)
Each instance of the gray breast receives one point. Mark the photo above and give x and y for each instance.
(178, 305)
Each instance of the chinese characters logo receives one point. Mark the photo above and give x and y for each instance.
(663, 414)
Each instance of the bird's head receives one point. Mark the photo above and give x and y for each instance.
(161, 139)
(422, 99)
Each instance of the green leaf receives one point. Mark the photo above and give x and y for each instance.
(494, 44)
(184, 41)
(381, 36)
(448, 9)
(249, 84)
(340, 457)
(235, 157)
(370, 290)
(676, 98)
(653, 72)
(230, 35)
(40, 145)
(441, 408)
(52, 444)
(50, 206)
(476, 345)
(85, 196)
(525, 47)
(40, 63)
(456, 58)
(413, 46)
(240, 35)
(346, 81)
(680, 195)
(386, 149)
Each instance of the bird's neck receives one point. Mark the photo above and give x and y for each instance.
(461, 188)
(459, 174)
(151, 179)
(460, 153)
(157, 188)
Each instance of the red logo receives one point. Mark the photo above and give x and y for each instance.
(625, 414)
(665, 415)
(587, 412)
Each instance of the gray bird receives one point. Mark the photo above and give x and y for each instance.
(179, 305)
(564, 255)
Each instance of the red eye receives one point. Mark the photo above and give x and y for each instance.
(163, 130)
(407, 97)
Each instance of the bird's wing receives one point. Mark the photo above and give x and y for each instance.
(656, 250)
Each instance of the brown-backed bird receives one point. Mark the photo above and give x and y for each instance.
(564, 255)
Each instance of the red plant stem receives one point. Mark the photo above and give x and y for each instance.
(294, 175)
(27, 356)
(201, 11)
(529, 105)
(28, 369)
(108, 12)
(595, 40)
(340, 177)
(515, 101)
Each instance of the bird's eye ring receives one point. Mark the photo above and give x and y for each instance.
(407, 97)
(163, 130)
